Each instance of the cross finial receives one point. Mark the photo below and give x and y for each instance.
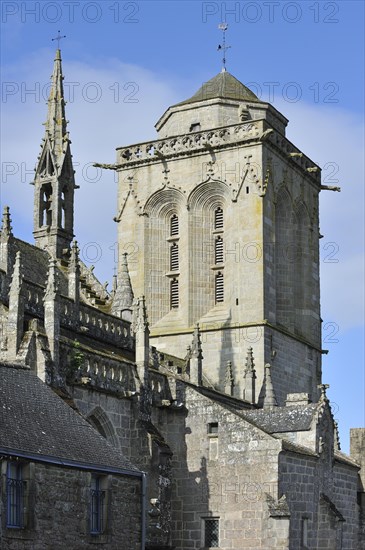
(58, 38)
(223, 27)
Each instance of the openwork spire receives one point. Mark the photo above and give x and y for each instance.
(54, 176)
(56, 124)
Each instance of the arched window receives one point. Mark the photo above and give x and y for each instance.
(172, 242)
(219, 288)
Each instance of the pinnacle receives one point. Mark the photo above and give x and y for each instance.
(17, 276)
(123, 295)
(250, 365)
(141, 314)
(52, 280)
(269, 399)
(6, 228)
(196, 347)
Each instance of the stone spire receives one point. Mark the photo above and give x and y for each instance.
(123, 295)
(52, 313)
(196, 359)
(269, 398)
(229, 379)
(15, 321)
(249, 392)
(6, 234)
(54, 176)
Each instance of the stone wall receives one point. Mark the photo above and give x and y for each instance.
(58, 511)
(323, 498)
(222, 467)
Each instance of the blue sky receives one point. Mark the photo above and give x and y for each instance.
(125, 62)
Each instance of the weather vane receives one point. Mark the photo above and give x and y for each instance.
(58, 38)
(223, 27)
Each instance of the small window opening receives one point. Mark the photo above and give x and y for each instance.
(247, 190)
(15, 491)
(213, 428)
(211, 533)
(97, 506)
(195, 127)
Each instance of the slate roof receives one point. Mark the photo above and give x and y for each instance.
(283, 419)
(223, 85)
(37, 423)
(35, 262)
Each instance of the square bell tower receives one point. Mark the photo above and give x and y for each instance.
(219, 217)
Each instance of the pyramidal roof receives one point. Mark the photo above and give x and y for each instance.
(225, 86)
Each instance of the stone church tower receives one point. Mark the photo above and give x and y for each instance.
(220, 219)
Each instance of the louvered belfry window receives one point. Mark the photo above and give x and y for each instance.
(172, 243)
(174, 257)
(218, 218)
(219, 288)
(218, 242)
(174, 225)
(174, 293)
(218, 250)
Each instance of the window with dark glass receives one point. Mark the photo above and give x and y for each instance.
(15, 495)
(211, 533)
(97, 501)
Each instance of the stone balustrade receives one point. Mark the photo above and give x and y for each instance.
(101, 325)
(154, 150)
(100, 372)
